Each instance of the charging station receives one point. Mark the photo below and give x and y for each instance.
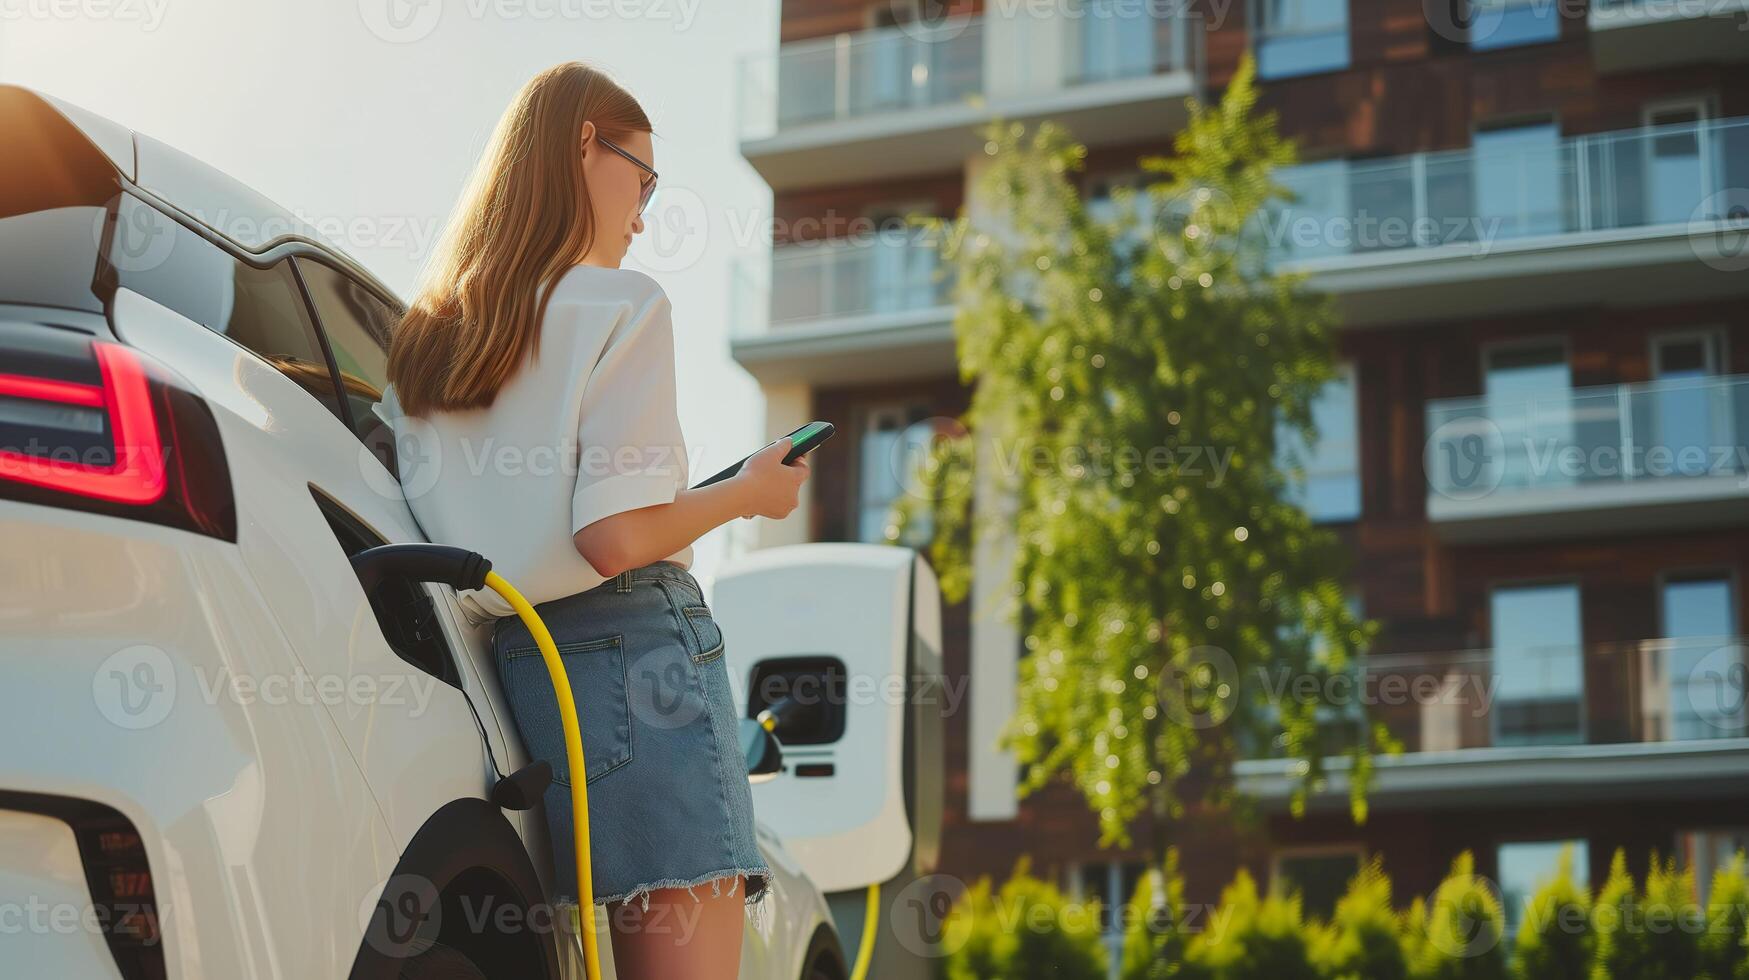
(842, 642)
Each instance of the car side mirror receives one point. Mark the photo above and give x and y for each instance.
(761, 750)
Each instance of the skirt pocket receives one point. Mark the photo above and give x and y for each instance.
(596, 670)
(706, 634)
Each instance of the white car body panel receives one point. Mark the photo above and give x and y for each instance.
(252, 800)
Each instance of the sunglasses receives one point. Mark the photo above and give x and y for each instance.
(646, 183)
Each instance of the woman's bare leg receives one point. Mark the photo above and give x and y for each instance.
(679, 935)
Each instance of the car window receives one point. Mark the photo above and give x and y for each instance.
(358, 326)
(261, 309)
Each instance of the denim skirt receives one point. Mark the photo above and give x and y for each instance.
(669, 801)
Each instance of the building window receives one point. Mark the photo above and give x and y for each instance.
(1320, 875)
(1300, 37)
(1330, 488)
(1689, 415)
(1681, 161)
(1116, 40)
(1540, 686)
(1510, 23)
(1518, 175)
(893, 446)
(1112, 886)
(1524, 866)
(1527, 394)
(1317, 222)
(1691, 677)
(1707, 851)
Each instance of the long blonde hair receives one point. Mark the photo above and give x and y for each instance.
(524, 220)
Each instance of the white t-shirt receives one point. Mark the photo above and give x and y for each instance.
(587, 429)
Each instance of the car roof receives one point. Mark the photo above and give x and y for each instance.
(223, 205)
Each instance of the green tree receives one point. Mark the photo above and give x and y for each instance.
(1618, 934)
(1027, 930)
(1153, 942)
(1253, 937)
(1460, 935)
(1363, 940)
(1554, 938)
(1722, 947)
(1674, 922)
(1131, 381)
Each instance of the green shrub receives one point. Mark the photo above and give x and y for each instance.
(1026, 931)
(1364, 940)
(1618, 949)
(1554, 938)
(1253, 938)
(1673, 924)
(1153, 942)
(974, 917)
(1722, 947)
(1463, 926)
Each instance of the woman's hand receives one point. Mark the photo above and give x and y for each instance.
(768, 486)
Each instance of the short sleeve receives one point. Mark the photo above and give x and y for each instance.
(631, 452)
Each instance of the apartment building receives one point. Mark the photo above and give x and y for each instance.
(1523, 209)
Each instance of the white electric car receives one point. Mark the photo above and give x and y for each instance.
(221, 758)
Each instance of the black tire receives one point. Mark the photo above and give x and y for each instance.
(441, 962)
(825, 961)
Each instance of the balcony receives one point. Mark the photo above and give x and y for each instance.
(1548, 723)
(1543, 221)
(903, 101)
(845, 311)
(1664, 454)
(1634, 35)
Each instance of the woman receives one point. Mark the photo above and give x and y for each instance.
(532, 394)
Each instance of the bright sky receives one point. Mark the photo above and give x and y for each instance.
(365, 117)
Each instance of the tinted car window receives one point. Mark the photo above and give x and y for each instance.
(261, 309)
(358, 326)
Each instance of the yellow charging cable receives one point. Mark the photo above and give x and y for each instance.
(549, 652)
(871, 919)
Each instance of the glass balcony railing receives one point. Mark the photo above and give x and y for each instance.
(849, 76)
(1659, 690)
(1118, 39)
(824, 281)
(1518, 184)
(1663, 430)
(916, 66)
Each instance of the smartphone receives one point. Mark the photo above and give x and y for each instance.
(802, 441)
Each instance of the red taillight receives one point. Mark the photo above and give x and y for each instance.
(135, 474)
(97, 426)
